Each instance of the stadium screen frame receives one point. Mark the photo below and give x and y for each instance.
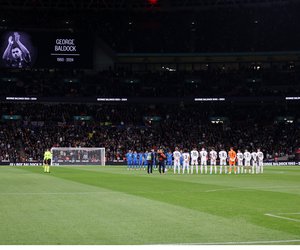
(30, 49)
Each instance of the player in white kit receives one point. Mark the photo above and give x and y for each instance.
(194, 161)
(186, 161)
(240, 158)
(176, 156)
(203, 157)
(247, 157)
(223, 157)
(254, 161)
(213, 160)
(260, 158)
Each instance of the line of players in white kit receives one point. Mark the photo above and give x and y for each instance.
(239, 162)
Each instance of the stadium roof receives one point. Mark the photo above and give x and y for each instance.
(164, 5)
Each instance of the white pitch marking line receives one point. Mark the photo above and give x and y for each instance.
(240, 242)
(282, 217)
(249, 188)
(288, 213)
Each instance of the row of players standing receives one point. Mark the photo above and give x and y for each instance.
(185, 161)
(150, 159)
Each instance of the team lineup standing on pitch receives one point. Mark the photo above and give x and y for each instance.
(185, 161)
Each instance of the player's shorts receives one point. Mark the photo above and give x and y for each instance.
(176, 162)
(185, 164)
(240, 163)
(194, 162)
(247, 163)
(203, 162)
(213, 162)
(231, 163)
(222, 162)
(48, 161)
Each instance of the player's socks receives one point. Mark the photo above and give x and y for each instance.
(225, 169)
(261, 169)
(221, 170)
(205, 169)
(192, 169)
(201, 169)
(210, 170)
(197, 169)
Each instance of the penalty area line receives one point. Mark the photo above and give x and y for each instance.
(282, 217)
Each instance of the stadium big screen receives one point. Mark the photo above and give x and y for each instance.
(20, 49)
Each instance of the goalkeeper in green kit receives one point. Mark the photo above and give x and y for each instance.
(47, 161)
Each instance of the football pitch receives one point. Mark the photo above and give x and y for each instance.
(113, 206)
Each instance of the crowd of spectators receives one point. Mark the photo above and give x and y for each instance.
(119, 128)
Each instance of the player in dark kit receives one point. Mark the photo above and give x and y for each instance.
(161, 161)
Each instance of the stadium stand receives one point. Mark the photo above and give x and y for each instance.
(164, 56)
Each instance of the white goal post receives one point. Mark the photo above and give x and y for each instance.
(77, 156)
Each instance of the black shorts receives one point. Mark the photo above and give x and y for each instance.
(48, 161)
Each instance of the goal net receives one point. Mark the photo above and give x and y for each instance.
(78, 156)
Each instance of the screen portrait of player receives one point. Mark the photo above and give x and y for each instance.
(17, 52)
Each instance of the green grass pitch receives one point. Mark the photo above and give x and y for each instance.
(110, 205)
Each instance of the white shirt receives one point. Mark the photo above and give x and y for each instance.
(186, 157)
(222, 154)
(176, 155)
(240, 156)
(203, 154)
(194, 154)
(254, 156)
(247, 156)
(213, 155)
(260, 155)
